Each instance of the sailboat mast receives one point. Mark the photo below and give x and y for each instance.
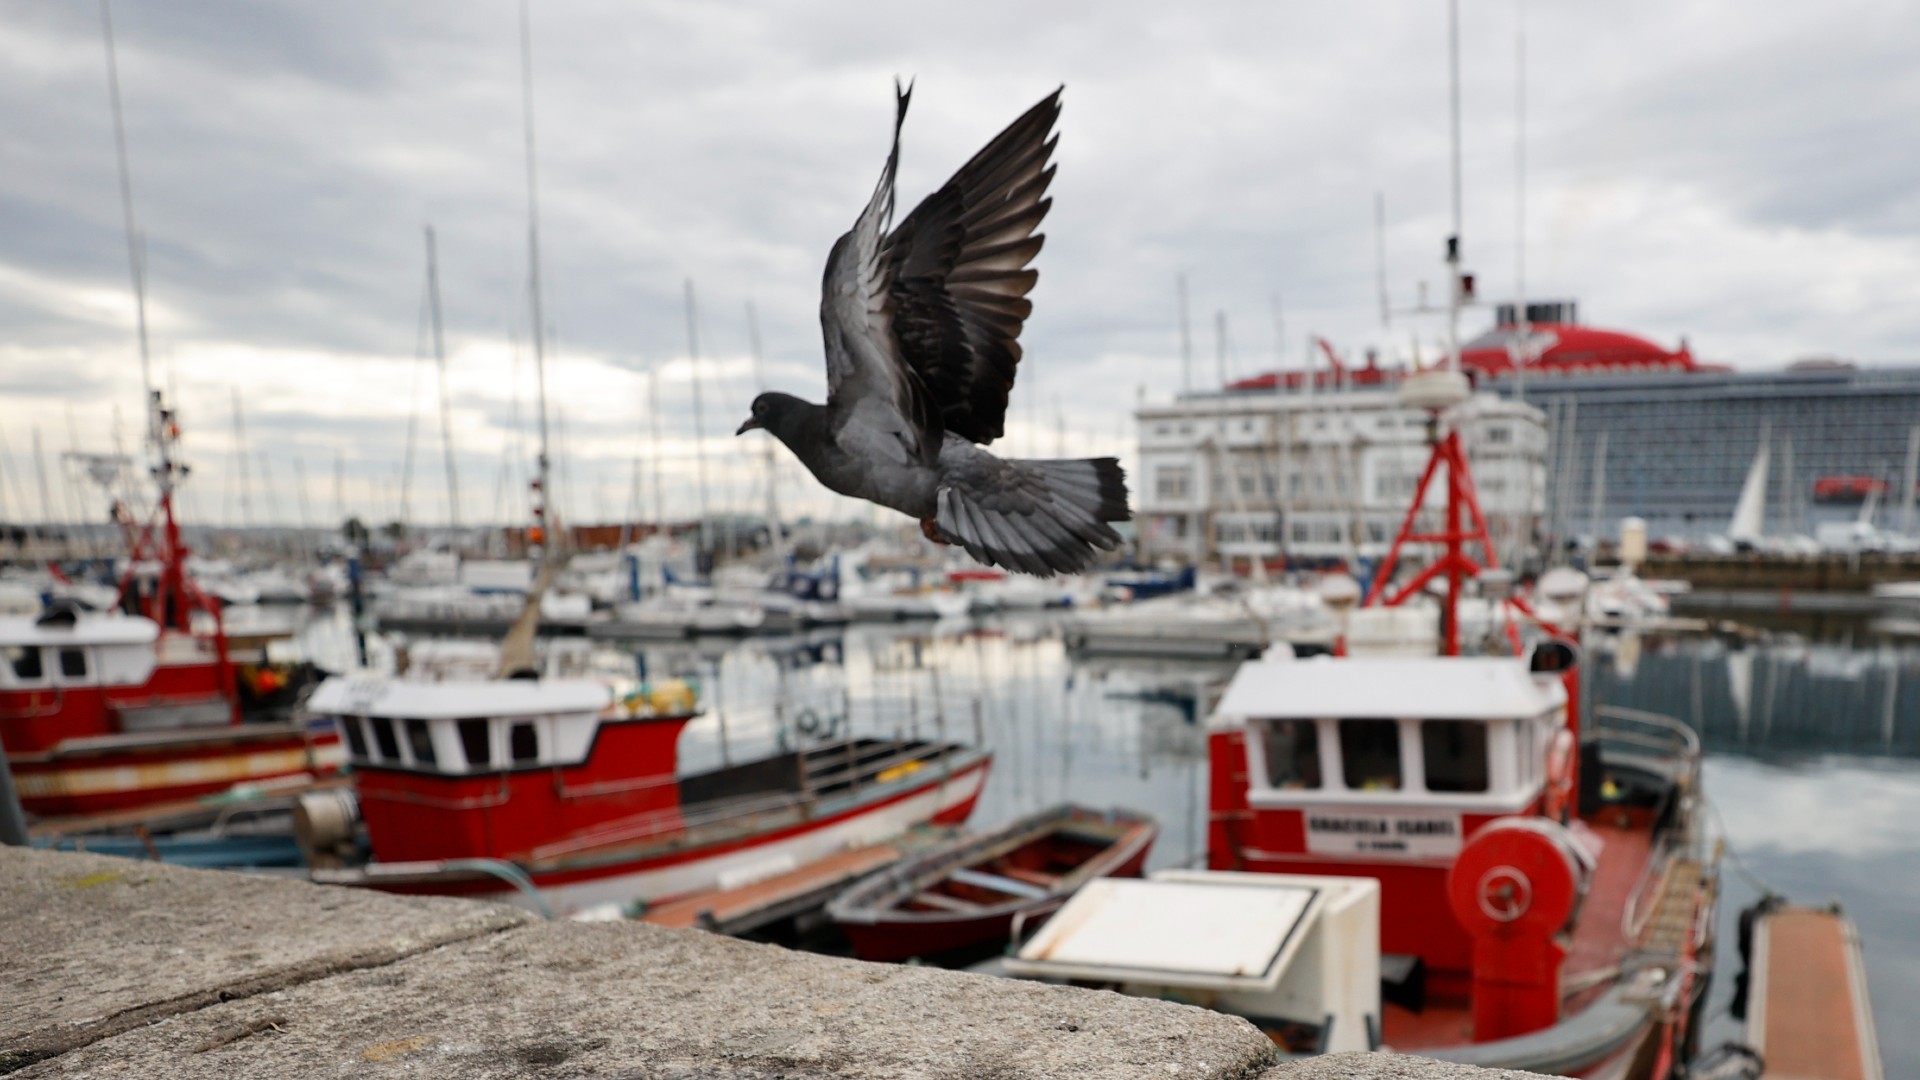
(775, 534)
(699, 428)
(240, 456)
(135, 262)
(440, 361)
(543, 484)
(1186, 340)
(653, 435)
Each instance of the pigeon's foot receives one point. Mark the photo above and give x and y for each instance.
(930, 528)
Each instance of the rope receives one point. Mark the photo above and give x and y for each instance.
(1753, 880)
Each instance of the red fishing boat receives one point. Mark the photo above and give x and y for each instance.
(1420, 850)
(551, 794)
(1547, 896)
(111, 711)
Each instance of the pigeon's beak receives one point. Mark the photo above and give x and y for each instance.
(752, 424)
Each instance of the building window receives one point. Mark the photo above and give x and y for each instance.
(1499, 434)
(73, 663)
(25, 660)
(1162, 429)
(384, 738)
(1173, 483)
(1456, 754)
(523, 743)
(474, 742)
(420, 741)
(1370, 753)
(1293, 755)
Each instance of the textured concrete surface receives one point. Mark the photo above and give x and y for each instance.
(121, 968)
(638, 1001)
(91, 946)
(1386, 1067)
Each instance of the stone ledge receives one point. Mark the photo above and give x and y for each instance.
(125, 963)
(94, 946)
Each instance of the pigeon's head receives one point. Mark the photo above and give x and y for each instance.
(775, 413)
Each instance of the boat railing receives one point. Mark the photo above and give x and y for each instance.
(865, 763)
(1649, 731)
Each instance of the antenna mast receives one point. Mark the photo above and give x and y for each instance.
(1455, 284)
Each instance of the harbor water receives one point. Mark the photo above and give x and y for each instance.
(1812, 769)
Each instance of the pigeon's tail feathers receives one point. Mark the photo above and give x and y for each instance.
(1040, 517)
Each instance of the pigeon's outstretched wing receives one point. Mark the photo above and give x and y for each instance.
(958, 277)
(867, 380)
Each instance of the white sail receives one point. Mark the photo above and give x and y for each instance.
(1750, 513)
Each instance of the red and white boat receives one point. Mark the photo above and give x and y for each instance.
(1545, 893)
(102, 712)
(551, 794)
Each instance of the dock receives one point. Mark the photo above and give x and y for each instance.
(748, 907)
(1808, 1016)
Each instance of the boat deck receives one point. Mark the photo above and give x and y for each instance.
(1809, 1017)
(1597, 945)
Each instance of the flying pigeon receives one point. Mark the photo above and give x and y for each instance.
(922, 327)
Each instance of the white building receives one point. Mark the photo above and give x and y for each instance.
(1321, 475)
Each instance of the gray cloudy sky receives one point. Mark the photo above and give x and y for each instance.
(1746, 175)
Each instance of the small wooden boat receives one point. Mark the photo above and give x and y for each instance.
(975, 892)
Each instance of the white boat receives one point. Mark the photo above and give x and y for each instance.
(1229, 619)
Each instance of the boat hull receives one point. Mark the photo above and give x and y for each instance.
(118, 772)
(881, 932)
(669, 868)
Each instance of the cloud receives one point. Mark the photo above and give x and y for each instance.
(1737, 174)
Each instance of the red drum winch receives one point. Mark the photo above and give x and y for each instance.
(1514, 888)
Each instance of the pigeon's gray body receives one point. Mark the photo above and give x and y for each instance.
(921, 327)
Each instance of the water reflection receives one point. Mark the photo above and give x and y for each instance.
(1773, 700)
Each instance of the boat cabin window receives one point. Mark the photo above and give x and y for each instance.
(523, 744)
(356, 736)
(25, 660)
(73, 663)
(1370, 754)
(1455, 753)
(1293, 755)
(420, 742)
(384, 738)
(474, 742)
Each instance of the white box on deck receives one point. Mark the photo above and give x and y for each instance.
(1298, 947)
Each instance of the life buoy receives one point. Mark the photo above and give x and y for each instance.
(1559, 794)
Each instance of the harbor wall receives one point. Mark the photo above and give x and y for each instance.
(1856, 573)
(140, 969)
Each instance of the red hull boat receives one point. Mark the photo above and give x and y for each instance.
(107, 712)
(981, 890)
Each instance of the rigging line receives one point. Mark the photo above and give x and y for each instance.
(1753, 880)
